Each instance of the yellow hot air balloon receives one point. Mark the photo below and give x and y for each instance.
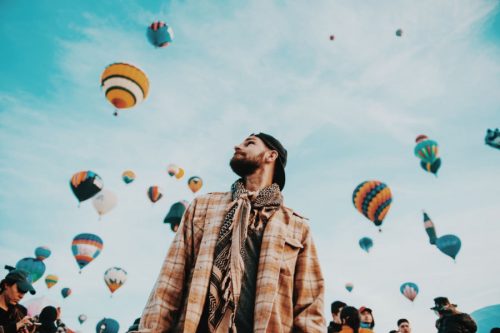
(180, 173)
(124, 85)
(51, 280)
(195, 183)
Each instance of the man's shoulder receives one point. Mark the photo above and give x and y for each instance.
(215, 198)
(296, 214)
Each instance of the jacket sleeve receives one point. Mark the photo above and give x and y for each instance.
(469, 324)
(164, 303)
(308, 289)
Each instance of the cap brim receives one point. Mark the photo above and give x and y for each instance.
(25, 287)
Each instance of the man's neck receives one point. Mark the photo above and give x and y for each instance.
(3, 303)
(258, 180)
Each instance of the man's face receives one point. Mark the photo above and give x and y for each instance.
(248, 156)
(12, 294)
(366, 317)
(336, 317)
(404, 327)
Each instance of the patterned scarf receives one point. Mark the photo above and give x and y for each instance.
(248, 209)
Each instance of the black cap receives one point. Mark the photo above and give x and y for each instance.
(22, 279)
(279, 169)
(440, 303)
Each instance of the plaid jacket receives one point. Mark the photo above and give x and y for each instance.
(290, 286)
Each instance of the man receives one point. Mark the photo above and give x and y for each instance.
(336, 324)
(13, 316)
(404, 326)
(450, 319)
(367, 321)
(241, 261)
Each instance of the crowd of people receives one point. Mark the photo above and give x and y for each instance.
(348, 319)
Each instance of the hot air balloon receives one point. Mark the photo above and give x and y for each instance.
(430, 229)
(175, 213)
(42, 252)
(373, 200)
(366, 243)
(128, 176)
(349, 286)
(492, 138)
(195, 183)
(35, 267)
(85, 184)
(160, 34)
(154, 194)
(65, 292)
(51, 280)
(107, 325)
(487, 318)
(86, 247)
(172, 170)
(115, 277)
(104, 202)
(82, 318)
(180, 173)
(124, 85)
(332, 37)
(409, 290)
(449, 245)
(428, 152)
(399, 32)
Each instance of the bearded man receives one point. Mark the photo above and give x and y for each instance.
(241, 261)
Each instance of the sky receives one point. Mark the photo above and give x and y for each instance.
(347, 111)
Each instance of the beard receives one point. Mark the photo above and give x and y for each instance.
(243, 166)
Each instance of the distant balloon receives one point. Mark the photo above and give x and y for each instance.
(65, 292)
(431, 167)
(195, 183)
(332, 37)
(104, 202)
(399, 32)
(175, 213)
(492, 138)
(409, 290)
(124, 85)
(366, 243)
(172, 170)
(154, 194)
(85, 248)
(180, 173)
(42, 252)
(449, 245)
(487, 318)
(349, 286)
(115, 277)
(128, 176)
(428, 152)
(51, 280)
(160, 34)
(82, 318)
(35, 267)
(372, 199)
(430, 229)
(85, 184)
(107, 325)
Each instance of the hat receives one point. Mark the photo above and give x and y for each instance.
(273, 144)
(440, 303)
(364, 308)
(22, 279)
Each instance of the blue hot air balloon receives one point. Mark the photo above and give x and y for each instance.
(366, 243)
(107, 325)
(35, 267)
(160, 34)
(487, 318)
(449, 245)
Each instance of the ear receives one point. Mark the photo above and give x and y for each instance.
(272, 156)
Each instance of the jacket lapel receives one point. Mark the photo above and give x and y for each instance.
(273, 243)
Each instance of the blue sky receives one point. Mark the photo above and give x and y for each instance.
(347, 111)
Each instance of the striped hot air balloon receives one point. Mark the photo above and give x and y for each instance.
(372, 199)
(86, 247)
(42, 252)
(430, 229)
(349, 286)
(160, 34)
(409, 290)
(85, 184)
(65, 292)
(51, 280)
(128, 176)
(154, 193)
(124, 85)
(114, 278)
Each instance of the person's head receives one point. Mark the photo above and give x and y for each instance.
(393, 331)
(441, 305)
(404, 326)
(495, 330)
(366, 316)
(15, 285)
(260, 152)
(350, 317)
(336, 308)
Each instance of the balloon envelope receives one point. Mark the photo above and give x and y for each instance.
(85, 248)
(172, 170)
(430, 229)
(175, 214)
(449, 245)
(372, 199)
(155, 193)
(35, 267)
(366, 243)
(180, 173)
(349, 287)
(195, 183)
(128, 176)
(65, 292)
(42, 252)
(51, 280)
(107, 325)
(427, 150)
(487, 318)
(82, 318)
(114, 278)
(492, 138)
(104, 202)
(431, 167)
(85, 184)
(124, 85)
(160, 34)
(409, 290)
